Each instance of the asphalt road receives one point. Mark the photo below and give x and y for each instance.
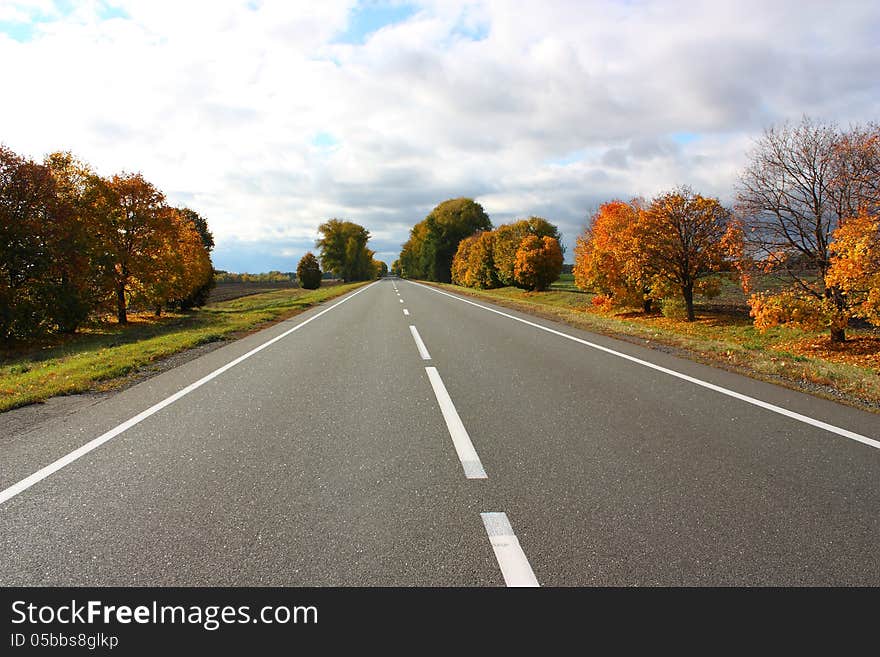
(336, 456)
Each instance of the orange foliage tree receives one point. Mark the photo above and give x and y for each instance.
(538, 262)
(604, 259)
(680, 241)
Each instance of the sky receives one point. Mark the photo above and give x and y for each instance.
(269, 117)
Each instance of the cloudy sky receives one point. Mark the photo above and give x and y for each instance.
(269, 116)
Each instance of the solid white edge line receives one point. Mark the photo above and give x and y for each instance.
(405, 312)
(514, 564)
(846, 433)
(470, 461)
(423, 350)
(55, 466)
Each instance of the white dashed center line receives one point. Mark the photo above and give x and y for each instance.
(473, 468)
(423, 350)
(515, 567)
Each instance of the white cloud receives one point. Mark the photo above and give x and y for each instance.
(535, 108)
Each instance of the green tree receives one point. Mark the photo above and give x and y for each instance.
(343, 246)
(433, 242)
(308, 272)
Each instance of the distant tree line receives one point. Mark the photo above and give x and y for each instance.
(273, 276)
(75, 246)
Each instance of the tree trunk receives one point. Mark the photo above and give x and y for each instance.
(688, 292)
(838, 333)
(646, 305)
(121, 314)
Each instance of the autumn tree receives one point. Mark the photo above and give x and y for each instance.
(27, 200)
(80, 267)
(178, 263)
(681, 239)
(206, 282)
(72, 242)
(508, 238)
(308, 272)
(133, 226)
(343, 247)
(855, 265)
(803, 181)
(538, 262)
(473, 264)
(461, 260)
(605, 257)
(434, 241)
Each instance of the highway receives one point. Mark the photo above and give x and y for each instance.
(405, 436)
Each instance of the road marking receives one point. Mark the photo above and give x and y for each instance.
(405, 312)
(423, 350)
(846, 433)
(514, 565)
(473, 468)
(55, 466)
(401, 300)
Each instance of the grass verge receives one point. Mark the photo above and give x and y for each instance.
(105, 357)
(803, 361)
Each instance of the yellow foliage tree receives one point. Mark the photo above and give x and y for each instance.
(508, 238)
(538, 262)
(855, 266)
(177, 265)
(853, 275)
(473, 264)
